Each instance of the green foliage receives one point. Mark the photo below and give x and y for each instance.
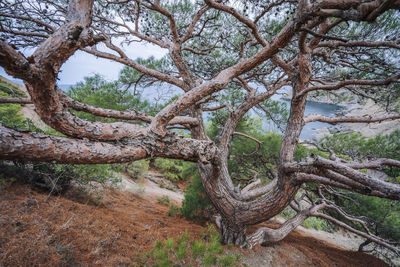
(164, 200)
(135, 169)
(195, 201)
(98, 92)
(183, 252)
(228, 260)
(318, 224)
(57, 178)
(10, 89)
(175, 170)
(10, 116)
(85, 173)
(357, 146)
(173, 210)
(5, 181)
(382, 215)
(245, 163)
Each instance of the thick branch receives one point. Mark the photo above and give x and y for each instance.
(123, 115)
(265, 234)
(341, 175)
(12, 61)
(354, 119)
(40, 147)
(247, 193)
(15, 100)
(374, 164)
(344, 83)
(376, 44)
(307, 177)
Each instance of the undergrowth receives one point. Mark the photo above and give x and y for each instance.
(175, 170)
(206, 251)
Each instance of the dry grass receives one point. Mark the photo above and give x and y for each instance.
(75, 230)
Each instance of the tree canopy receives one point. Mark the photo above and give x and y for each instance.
(227, 58)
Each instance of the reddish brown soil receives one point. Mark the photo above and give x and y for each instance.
(73, 230)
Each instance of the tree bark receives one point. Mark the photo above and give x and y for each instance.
(232, 234)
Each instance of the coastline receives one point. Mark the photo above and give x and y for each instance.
(366, 129)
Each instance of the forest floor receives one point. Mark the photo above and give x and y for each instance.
(77, 229)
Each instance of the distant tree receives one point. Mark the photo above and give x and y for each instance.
(249, 49)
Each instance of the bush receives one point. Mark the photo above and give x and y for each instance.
(5, 181)
(228, 260)
(357, 146)
(10, 116)
(95, 90)
(318, 224)
(41, 175)
(164, 200)
(381, 215)
(135, 169)
(173, 210)
(57, 178)
(195, 200)
(174, 170)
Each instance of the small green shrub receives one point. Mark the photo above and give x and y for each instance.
(101, 173)
(182, 252)
(5, 181)
(198, 249)
(164, 200)
(57, 178)
(317, 224)
(195, 200)
(135, 169)
(175, 170)
(173, 210)
(228, 260)
(10, 116)
(359, 147)
(97, 91)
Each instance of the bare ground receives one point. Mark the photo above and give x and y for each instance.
(76, 230)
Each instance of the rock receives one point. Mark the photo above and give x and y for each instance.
(371, 129)
(321, 133)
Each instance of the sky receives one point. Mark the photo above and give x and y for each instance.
(82, 64)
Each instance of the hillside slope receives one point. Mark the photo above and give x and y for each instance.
(76, 230)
